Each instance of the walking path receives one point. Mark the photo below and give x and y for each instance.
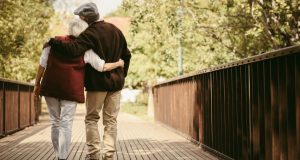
(137, 140)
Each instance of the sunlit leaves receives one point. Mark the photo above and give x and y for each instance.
(24, 24)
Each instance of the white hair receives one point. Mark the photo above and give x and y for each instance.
(76, 27)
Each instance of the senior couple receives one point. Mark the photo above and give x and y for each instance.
(96, 57)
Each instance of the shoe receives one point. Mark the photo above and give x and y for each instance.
(107, 158)
(91, 157)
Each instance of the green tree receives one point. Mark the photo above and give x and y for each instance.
(24, 24)
(257, 26)
(155, 26)
(213, 32)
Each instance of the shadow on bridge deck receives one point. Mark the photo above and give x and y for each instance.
(137, 140)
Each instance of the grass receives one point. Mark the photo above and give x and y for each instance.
(137, 109)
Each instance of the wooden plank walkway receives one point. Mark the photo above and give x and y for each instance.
(137, 140)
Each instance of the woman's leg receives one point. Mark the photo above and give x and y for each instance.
(68, 109)
(54, 113)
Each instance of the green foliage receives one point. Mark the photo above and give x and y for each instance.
(142, 98)
(257, 26)
(155, 27)
(117, 13)
(24, 24)
(213, 32)
(137, 109)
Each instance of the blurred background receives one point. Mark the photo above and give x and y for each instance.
(167, 38)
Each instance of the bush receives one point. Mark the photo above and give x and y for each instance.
(142, 99)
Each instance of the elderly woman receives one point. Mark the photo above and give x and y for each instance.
(63, 86)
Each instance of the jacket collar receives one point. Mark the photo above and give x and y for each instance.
(98, 21)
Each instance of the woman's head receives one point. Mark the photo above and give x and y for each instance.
(76, 27)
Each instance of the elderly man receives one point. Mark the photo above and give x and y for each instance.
(103, 88)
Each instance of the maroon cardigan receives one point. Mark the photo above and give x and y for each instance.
(64, 76)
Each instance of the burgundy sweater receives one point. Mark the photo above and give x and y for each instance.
(64, 76)
(109, 43)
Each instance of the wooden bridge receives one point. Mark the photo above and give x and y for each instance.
(137, 140)
(249, 110)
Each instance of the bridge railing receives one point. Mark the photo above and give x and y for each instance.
(17, 106)
(249, 109)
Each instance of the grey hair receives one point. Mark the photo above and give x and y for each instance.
(76, 27)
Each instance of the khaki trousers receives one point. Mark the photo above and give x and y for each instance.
(109, 103)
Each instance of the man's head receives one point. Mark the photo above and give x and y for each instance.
(76, 27)
(88, 12)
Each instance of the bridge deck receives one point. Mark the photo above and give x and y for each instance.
(137, 140)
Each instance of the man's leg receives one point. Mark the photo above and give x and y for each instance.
(94, 103)
(68, 109)
(110, 112)
(54, 113)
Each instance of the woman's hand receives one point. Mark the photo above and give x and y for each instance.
(121, 63)
(36, 90)
(111, 66)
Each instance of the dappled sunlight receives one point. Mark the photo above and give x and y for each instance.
(42, 136)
